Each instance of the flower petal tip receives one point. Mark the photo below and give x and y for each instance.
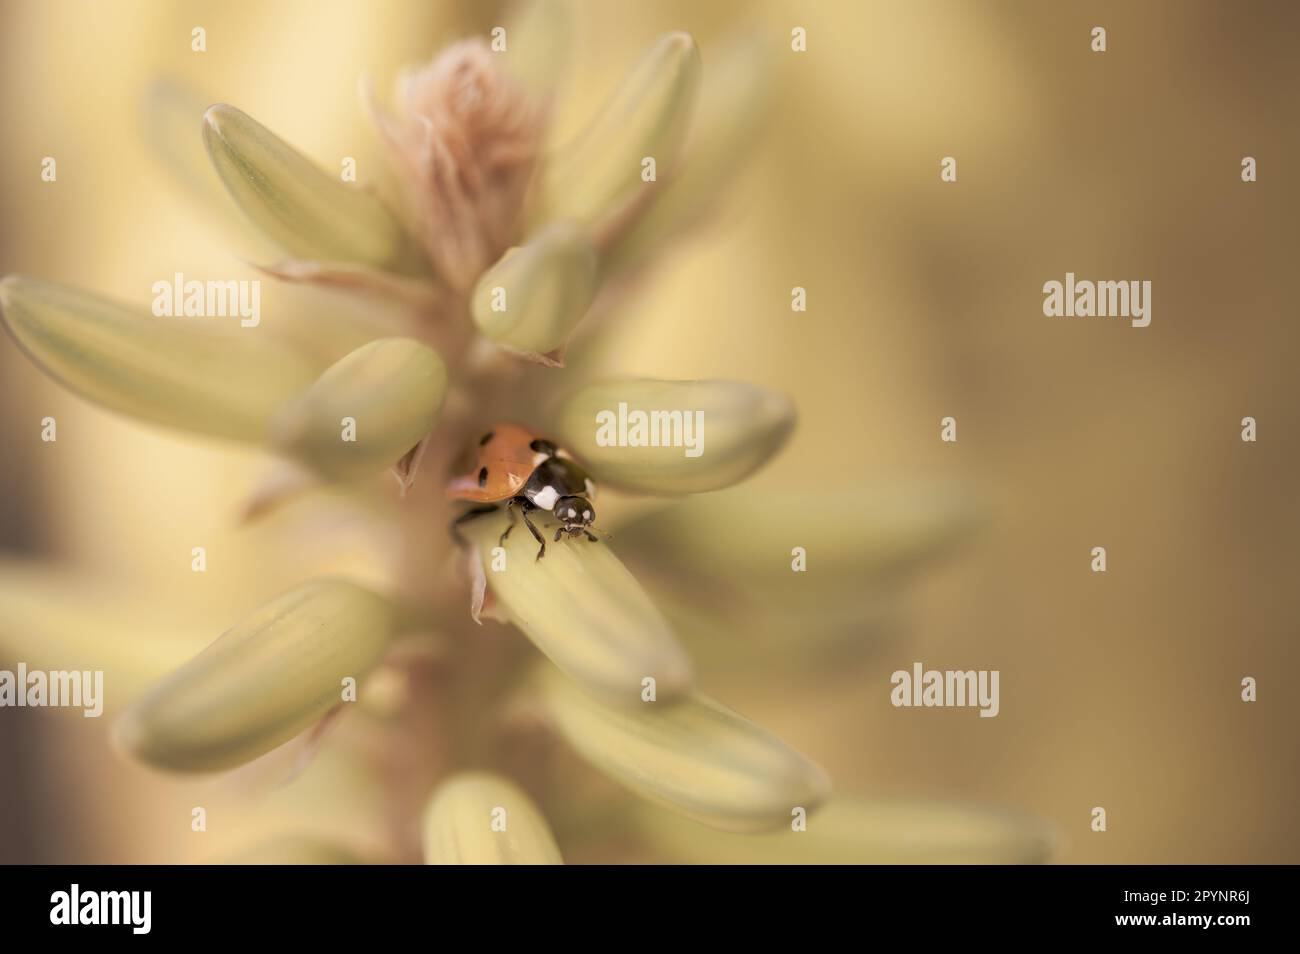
(479, 818)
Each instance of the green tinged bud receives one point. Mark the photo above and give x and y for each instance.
(366, 410)
(263, 681)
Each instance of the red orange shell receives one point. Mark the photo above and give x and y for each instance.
(507, 458)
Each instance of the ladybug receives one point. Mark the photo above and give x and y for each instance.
(527, 472)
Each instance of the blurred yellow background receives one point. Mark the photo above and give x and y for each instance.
(924, 300)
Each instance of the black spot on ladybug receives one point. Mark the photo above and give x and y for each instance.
(485, 438)
(482, 477)
(542, 446)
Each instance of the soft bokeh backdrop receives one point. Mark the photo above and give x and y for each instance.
(1118, 690)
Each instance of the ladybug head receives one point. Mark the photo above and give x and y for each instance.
(575, 512)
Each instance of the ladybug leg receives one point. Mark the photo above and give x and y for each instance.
(466, 517)
(510, 509)
(590, 536)
(524, 510)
